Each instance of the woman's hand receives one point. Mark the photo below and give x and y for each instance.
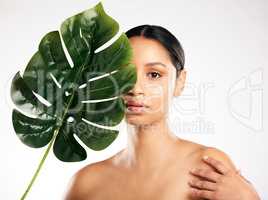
(220, 184)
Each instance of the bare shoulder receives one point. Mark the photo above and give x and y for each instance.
(192, 149)
(219, 155)
(198, 151)
(85, 182)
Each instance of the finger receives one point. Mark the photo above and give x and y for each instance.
(202, 193)
(218, 165)
(238, 171)
(201, 184)
(206, 173)
(240, 174)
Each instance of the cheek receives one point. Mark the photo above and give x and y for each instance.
(157, 98)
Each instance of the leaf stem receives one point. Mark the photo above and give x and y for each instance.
(40, 164)
(54, 135)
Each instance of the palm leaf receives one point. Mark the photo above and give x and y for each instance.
(56, 98)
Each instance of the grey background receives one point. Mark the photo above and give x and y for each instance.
(223, 105)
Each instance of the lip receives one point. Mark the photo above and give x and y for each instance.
(135, 104)
(135, 107)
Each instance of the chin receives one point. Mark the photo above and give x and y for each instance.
(136, 120)
(140, 120)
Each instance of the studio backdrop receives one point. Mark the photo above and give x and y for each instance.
(224, 102)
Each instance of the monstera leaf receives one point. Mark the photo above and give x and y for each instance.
(70, 89)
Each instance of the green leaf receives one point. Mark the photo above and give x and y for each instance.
(58, 95)
(35, 132)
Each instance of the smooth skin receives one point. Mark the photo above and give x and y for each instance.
(221, 184)
(163, 164)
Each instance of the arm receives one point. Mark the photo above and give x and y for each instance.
(223, 182)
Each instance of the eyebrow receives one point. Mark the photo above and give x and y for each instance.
(155, 63)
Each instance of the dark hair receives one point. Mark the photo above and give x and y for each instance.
(167, 39)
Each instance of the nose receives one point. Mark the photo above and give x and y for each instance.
(138, 87)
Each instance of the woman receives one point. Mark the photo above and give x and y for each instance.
(157, 164)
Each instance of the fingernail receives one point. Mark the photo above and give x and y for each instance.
(205, 157)
(193, 170)
(190, 182)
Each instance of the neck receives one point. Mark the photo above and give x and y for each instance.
(149, 145)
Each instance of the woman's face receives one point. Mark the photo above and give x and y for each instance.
(156, 82)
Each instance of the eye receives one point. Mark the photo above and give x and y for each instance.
(154, 74)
